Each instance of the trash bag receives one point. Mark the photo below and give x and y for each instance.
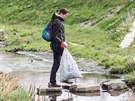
(68, 67)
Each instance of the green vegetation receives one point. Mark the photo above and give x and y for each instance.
(130, 78)
(9, 90)
(108, 21)
(18, 95)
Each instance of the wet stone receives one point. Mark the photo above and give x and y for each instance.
(117, 92)
(49, 91)
(114, 85)
(88, 94)
(85, 88)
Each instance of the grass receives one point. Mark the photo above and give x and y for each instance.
(19, 95)
(130, 78)
(128, 69)
(35, 12)
(10, 90)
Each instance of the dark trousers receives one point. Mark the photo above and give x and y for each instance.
(57, 53)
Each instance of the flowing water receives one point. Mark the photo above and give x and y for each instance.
(33, 70)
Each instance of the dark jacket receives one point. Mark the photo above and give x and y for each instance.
(57, 31)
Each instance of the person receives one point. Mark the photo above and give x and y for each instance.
(57, 43)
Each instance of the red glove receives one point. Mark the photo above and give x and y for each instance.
(62, 45)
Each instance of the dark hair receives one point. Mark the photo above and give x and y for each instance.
(63, 11)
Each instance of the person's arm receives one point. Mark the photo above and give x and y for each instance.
(56, 33)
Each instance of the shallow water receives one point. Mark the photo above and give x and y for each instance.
(35, 71)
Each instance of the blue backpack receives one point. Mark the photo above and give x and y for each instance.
(46, 33)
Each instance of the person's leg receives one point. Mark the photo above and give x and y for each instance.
(55, 67)
(57, 53)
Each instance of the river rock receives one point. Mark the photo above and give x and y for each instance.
(117, 92)
(117, 84)
(88, 94)
(49, 91)
(84, 88)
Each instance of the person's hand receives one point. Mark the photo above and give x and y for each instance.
(66, 45)
(63, 44)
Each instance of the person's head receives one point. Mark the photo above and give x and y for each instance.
(63, 12)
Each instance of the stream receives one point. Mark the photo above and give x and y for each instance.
(35, 70)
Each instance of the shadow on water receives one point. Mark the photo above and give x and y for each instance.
(36, 72)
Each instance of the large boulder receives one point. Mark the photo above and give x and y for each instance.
(117, 84)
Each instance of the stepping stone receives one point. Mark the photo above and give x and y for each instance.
(114, 85)
(49, 91)
(68, 86)
(85, 88)
(88, 94)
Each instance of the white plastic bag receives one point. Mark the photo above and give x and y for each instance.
(68, 67)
